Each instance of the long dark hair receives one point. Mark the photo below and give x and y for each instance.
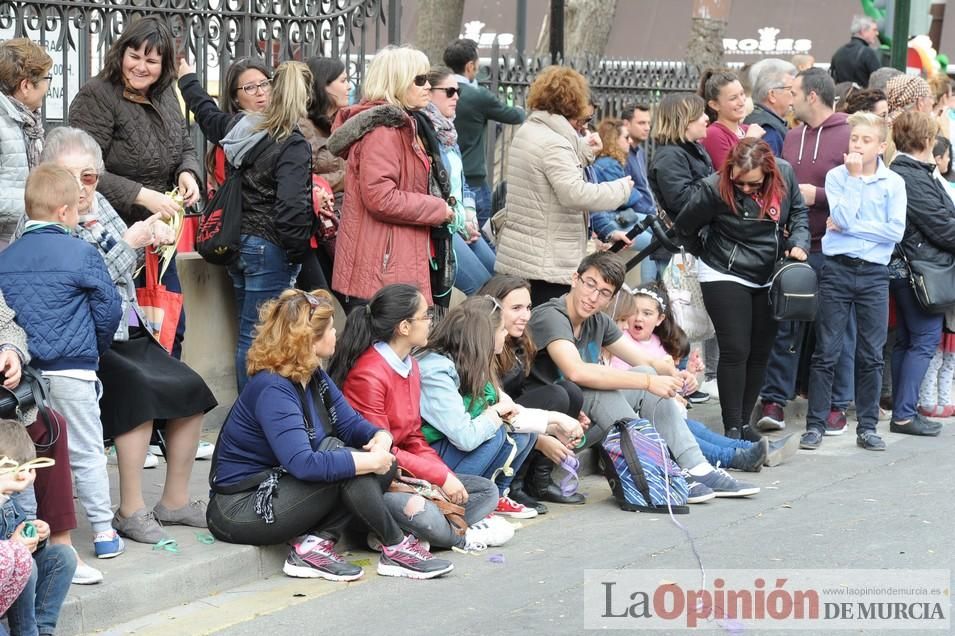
(749, 154)
(499, 287)
(670, 334)
(376, 321)
(325, 70)
(466, 336)
(157, 37)
(227, 98)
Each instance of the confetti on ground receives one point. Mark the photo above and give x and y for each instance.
(496, 558)
(362, 563)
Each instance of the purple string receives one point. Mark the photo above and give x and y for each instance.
(570, 482)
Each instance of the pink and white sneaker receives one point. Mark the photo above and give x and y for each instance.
(409, 559)
(507, 507)
(315, 558)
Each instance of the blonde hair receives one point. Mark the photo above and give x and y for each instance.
(391, 73)
(286, 333)
(674, 114)
(865, 118)
(291, 92)
(49, 187)
(624, 306)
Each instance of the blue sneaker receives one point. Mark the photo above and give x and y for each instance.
(108, 544)
(725, 485)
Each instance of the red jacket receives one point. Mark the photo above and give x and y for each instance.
(392, 402)
(387, 213)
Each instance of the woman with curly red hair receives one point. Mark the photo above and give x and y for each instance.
(292, 432)
(751, 214)
(545, 229)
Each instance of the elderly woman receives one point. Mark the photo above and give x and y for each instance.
(546, 227)
(142, 384)
(132, 111)
(24, 79)
(392, 216)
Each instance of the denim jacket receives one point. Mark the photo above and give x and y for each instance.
(11, 516)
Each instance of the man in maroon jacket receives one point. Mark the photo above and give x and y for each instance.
(813, 149)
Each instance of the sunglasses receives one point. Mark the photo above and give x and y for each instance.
(314, 303)
(748, 184)
(497, 305)
(420, 80)
(88, 177)
(450, 91)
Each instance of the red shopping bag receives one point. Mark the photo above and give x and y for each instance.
(161, 307)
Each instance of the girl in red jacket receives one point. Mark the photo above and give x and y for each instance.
(381, 380)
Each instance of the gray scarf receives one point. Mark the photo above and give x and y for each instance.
(443, 127)
(32, 129)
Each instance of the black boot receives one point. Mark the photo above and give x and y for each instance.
(539, 483)
(520, 495)
(748, 433)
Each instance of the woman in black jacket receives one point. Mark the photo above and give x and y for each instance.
(278, 218)
(742, 212)
(930, 235)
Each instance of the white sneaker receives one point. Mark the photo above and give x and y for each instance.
(710, 387)
(204, 451)
(491, 531)
(151, 460)
(85, 574)
(375, 544)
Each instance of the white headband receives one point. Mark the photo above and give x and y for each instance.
(643, 291)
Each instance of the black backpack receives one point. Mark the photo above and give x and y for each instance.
(220, 227)
(792, 291)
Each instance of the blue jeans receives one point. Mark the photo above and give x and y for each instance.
(37, 608)
(261, 273)
(474, 264)
(482, 201)
(488, 457)
(917, 335)
(783, 366)
(715, 447)
(845, 286)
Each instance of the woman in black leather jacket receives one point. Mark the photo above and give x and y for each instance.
(749, 215)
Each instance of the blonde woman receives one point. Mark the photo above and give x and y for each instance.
(277, 218)
(390, 207)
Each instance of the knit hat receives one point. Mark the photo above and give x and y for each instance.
(903, 91)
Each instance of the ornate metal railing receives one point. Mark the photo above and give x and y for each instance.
(77, 33)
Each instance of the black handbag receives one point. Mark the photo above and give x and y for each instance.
(933, 284)
(31, 391)
(792, 291)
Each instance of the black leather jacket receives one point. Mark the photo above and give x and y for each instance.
(675, 172)
(743, 244)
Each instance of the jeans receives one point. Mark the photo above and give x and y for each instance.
(917, 334)
(745, 330)
(783, 366)
(261, 273)
(716, 448)
(37, 609)
(846, 285)
(607, 406)
(474, 264)
(482, 200)
(429, 524)
(299, 507)
(489, 458)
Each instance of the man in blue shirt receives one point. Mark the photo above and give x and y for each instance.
(867, 205)
(638, 122)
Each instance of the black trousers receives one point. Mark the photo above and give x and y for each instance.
(300, 507)
(745, 330)
(563, 396)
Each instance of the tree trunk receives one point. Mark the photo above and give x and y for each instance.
(587, 26)
(438, 24)
(705, 48)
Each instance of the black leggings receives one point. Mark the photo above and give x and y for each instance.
(563, 396)
(299, 507)
(745, 330)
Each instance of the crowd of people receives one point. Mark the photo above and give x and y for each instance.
(426, 424)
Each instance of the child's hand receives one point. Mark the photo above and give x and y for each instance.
(584, 420)
(695, 363)
(42, 529)
(29, 542)
(16, 482)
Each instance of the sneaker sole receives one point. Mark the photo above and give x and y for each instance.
(398, 571)
(780, 455)
(742, 492)
(94, 581)
(110, 555)
(869, 448)
(701, 498)
(833, 432)
(698, 400)
(302, 572)
(527, 514)
(768, 424)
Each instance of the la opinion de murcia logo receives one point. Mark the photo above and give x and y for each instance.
(766, 44)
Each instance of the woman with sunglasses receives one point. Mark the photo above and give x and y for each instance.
(750, 214)
(295, 463)
(278, 218)
(142, 384)
(394, 214)
(473, 257)
(383, 381)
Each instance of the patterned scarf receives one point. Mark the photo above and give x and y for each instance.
(33, 129)
(443, 127)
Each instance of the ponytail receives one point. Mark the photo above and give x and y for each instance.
(291, 93)
(375, 322)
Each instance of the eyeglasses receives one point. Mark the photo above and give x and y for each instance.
(428, 316)
(420, 80)
(783, 88)
(593, 286)
(251, 89)
(497, 305)
(88, 177)
(48, 78)
(450, 91)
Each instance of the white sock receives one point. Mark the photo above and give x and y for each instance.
(701, 469)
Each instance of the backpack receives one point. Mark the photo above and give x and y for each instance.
(636, 462)
(792, 291)
(219, 232)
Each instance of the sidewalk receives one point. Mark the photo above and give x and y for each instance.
(145, 581)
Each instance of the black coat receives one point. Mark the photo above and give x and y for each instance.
(743, 244)
(854, 62)
(676, 171)
(929, 213)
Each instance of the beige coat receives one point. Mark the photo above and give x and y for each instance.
(545, 230)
